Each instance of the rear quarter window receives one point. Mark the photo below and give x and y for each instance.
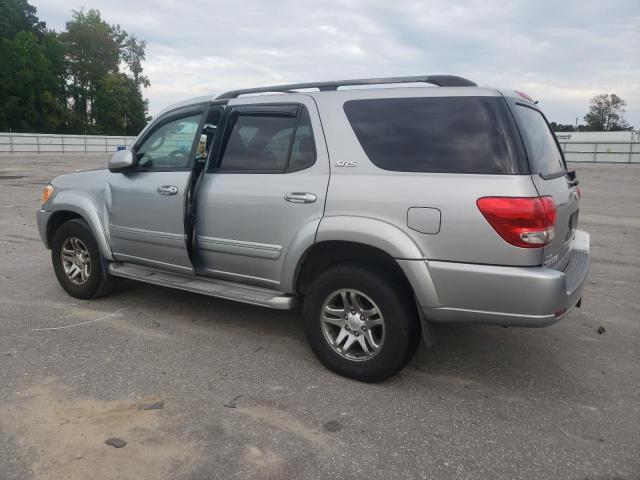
(545, 157)
(437, 134)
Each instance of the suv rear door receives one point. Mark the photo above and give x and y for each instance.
(263, 192)
(550, 176)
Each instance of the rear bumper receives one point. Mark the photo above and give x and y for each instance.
(509, 296)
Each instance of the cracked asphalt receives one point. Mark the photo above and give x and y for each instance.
(244, 397)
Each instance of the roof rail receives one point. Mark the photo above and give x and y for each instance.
(439, 80)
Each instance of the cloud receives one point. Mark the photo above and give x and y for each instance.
(561, 53)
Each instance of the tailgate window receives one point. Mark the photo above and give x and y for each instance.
(545, 157)
(437, 134)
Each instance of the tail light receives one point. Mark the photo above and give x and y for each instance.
(526, 222)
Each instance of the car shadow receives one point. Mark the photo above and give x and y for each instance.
(512, 361)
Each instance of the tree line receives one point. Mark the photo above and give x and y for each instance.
(606, 113)
(87, 79)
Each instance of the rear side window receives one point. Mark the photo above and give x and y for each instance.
(303, 150)
(258, 143)
(264, 141)
(437, 134)
(542, 150)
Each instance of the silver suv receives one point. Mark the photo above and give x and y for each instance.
(381, 209)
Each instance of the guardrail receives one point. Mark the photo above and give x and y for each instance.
(601, 152)
(47, 143)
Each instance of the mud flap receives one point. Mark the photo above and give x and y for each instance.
(428, 330)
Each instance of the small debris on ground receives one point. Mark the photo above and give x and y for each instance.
(332, 426)
(115, 442)
(151, 405)
(601, 330)
(257, 350)
(232, 403)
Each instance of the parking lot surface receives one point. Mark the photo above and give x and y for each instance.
(242, 395)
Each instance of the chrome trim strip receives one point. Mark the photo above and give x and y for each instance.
(143, 232)
(239, 247)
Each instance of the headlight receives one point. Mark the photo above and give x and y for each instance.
(46, 194)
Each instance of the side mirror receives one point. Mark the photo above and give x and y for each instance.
(122, 161)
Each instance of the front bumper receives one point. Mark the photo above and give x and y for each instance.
(509, 296)
(42, 218)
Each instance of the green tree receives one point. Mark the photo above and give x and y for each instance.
(29, 88)
(18, 15)
(606, 113)
(133, 55)
(560, 127)
(69, 82)
(92, 52)
(137, 109)
(119, 106)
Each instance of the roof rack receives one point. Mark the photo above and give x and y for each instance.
(439, 80)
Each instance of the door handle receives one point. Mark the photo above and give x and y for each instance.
(300, 197)
(167, 190)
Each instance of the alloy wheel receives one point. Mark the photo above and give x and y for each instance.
(352, 324)
(76, 260)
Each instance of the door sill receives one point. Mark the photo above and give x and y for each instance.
(214, 288)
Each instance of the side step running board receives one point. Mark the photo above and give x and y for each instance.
(214, 288)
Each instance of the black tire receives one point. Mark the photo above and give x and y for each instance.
(393, 298)
(99, 282)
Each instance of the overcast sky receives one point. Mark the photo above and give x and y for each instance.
(560, 52)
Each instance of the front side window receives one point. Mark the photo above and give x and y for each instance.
(437, 134)
(169, 145)
(268, 142)
(542, 150)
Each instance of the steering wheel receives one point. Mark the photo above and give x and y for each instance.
(176, 157)
(175, 153)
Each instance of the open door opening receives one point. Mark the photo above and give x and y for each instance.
(208, 135)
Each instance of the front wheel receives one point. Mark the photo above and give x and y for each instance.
(77, 262)
(360, 322)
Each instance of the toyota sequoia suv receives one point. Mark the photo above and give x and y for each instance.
(380, 209)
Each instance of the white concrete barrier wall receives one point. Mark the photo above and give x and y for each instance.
(602, 152)
(600, 147)
(47, 143)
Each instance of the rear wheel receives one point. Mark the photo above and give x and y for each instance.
(360, 322)
(77, 263)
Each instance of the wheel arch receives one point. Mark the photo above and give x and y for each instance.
(369, 231)
(322, 255)
(342, 238)
(69, 205)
